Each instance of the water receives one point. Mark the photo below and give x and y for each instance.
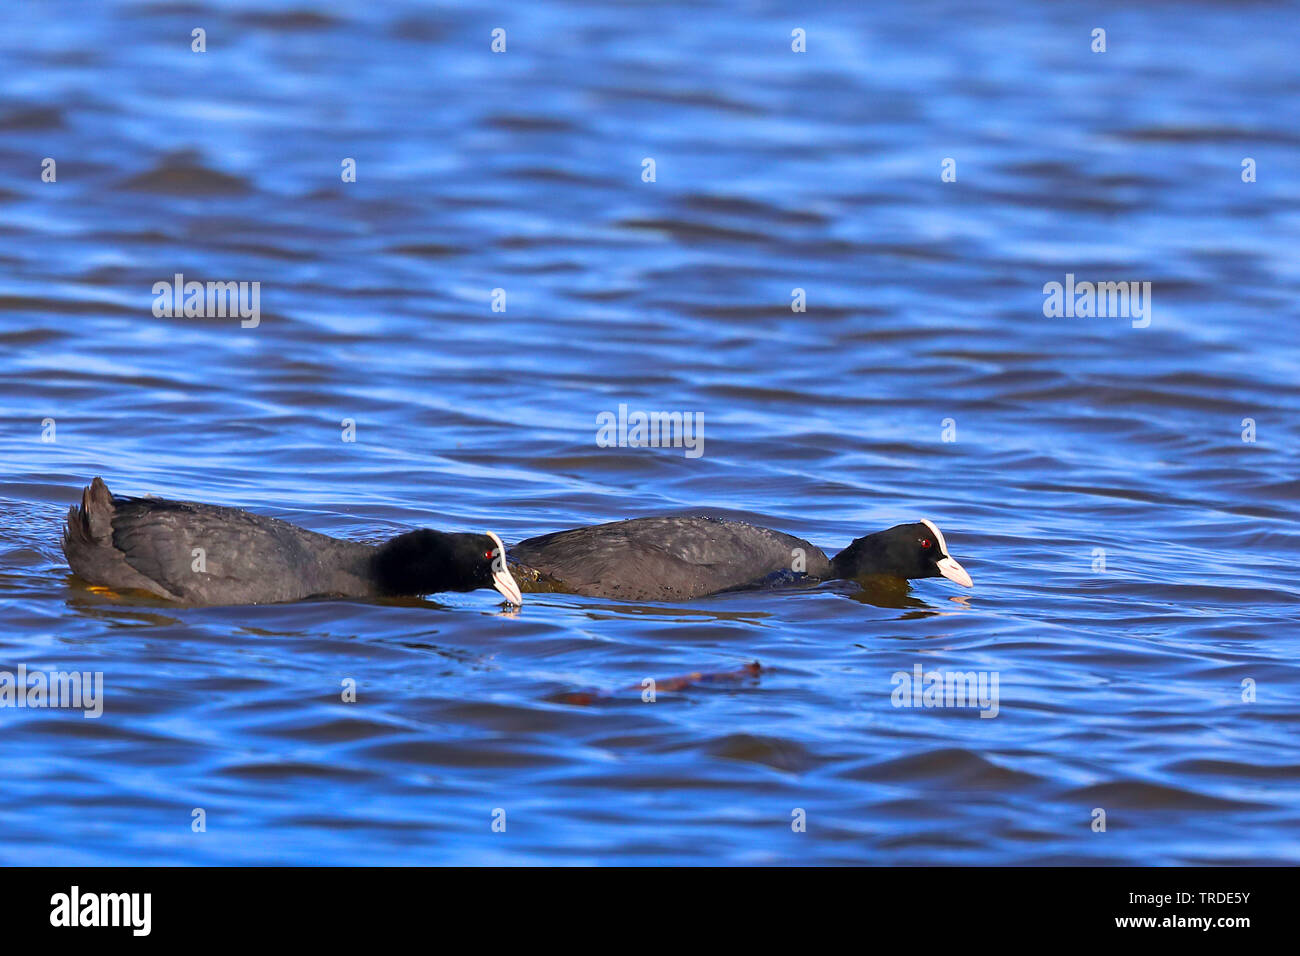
(1119, 689)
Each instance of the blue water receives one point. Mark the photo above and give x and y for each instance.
(924, 380)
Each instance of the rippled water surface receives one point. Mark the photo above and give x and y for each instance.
(1078, 441)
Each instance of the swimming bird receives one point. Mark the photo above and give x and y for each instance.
(682, 558)
(206, 554)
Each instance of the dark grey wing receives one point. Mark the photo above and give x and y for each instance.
(665, 559)
(206, 554)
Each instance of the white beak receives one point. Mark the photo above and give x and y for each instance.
(501, 577)
(953, 571)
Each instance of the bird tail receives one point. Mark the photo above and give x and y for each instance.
(91, 525)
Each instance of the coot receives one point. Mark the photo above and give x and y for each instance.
(204, 554)
(681, 558)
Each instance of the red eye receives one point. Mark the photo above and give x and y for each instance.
(925, 544)
(488, 554)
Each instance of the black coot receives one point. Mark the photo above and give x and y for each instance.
(204, 554)
(680, 558)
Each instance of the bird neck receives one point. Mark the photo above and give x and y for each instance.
(418, 562)
(865, 556)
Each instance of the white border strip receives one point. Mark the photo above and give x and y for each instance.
(943, 545)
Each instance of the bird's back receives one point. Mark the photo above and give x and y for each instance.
(206, 554)
(666, 559)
